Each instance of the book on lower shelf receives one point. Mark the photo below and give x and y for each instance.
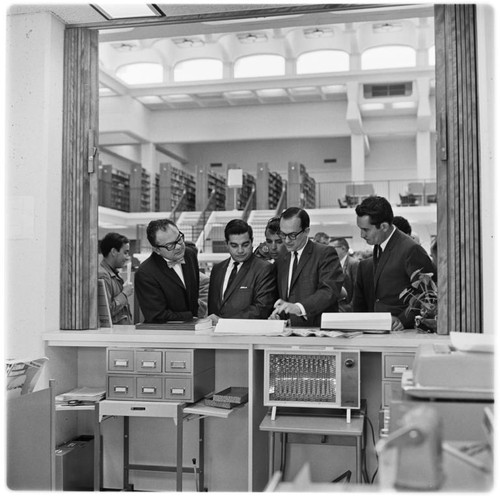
(209, 401)
(82, 395)
(234, 394)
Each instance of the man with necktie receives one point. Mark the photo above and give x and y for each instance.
(243, 286)
(167, 282)
(350, 267)
(395, 258)
(309, 275)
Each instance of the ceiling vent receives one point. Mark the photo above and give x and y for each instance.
(385, 90)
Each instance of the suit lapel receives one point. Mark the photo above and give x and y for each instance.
(239, 277)
(306, 254)
(384, 257)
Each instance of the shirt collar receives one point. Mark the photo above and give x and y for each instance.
(384, 244)
(108, 267)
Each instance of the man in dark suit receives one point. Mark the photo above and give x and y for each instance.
(363, 299)
(350, 267)
(167, 282)
(395, 257)
(311, 285)
(243, 286)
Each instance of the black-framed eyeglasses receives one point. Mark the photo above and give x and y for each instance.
(171, 246)
(292, 236)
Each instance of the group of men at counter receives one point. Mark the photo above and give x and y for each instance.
(296, 279)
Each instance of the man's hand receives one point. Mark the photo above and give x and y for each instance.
(284, 306)
(396, 325)
(214, 318)
(128, 289)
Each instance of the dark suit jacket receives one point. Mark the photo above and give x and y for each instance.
(363, 299)
(160, 292)
(316, 283)
(402, 256)
(350, 270)
(251, 295)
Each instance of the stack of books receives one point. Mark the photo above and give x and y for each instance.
(228, 398)
(81, 396)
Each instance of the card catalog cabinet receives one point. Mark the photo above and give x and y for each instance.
(155, 374)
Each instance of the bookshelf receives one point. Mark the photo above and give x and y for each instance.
(301, 187)
(174, 185)
(269, 187)
(206, 183)
(114, 188)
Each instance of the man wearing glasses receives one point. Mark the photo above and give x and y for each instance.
(309, 275)
(167, 282)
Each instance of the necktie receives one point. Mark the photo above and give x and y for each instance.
(232, 276)
(377, 251)
(295, 263)
(294, 269)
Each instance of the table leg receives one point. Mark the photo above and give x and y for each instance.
(179, 446)
(201, 455)
(97, 450)
(271, 454)
(358, 460)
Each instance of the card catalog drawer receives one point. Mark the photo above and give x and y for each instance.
(148, 361)
(178, 388)
(149, 388)
(121, 360)
(396, 364)
(178, 361)
(121, 387)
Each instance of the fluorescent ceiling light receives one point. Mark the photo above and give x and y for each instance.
(188, 42)
(239, 94)
(334, 89)
(404, 105)
(304, 90)
(149, 100)
(177, 98)
(387, 27)
(251, 19)
(272, 93)
(127, 11)
(372, 106)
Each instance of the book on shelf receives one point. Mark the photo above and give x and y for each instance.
(234, 394)
(179, 325)
(250, 327)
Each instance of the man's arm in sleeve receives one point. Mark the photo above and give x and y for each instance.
(330, 281)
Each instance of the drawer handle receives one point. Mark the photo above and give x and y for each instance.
(148, 390)
(121, 363)
(178, 365)
(178, 391)
(399, 369)
(121, 389)
(148, 364)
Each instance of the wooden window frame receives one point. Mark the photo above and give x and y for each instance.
(457, 157)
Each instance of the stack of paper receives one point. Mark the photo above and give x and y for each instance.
(228, 398)
(81, 395)
(250, 327)
(376, 322)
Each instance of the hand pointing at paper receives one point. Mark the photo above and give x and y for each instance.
(285, 307)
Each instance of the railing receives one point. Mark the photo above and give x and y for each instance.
(338, 194)
(407, 192)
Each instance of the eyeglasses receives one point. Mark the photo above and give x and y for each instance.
(291, 236)
(171, 246)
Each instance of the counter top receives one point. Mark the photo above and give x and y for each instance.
(129, 336)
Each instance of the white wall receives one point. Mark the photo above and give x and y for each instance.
(33, 209)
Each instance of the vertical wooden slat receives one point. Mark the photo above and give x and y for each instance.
(459, 229)
(79, 188)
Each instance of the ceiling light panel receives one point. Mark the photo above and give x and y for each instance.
(127, 11)
(312, 33)
(188, 42)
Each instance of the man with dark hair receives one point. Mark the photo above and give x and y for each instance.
(350, 267)
(395, 258)
(115, 252)
(167, 282)
(322, 237)
(243, 286)
(309, 275)
(402, 224)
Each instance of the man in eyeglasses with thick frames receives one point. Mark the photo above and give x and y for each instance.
(309, 276)
(167, 282)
